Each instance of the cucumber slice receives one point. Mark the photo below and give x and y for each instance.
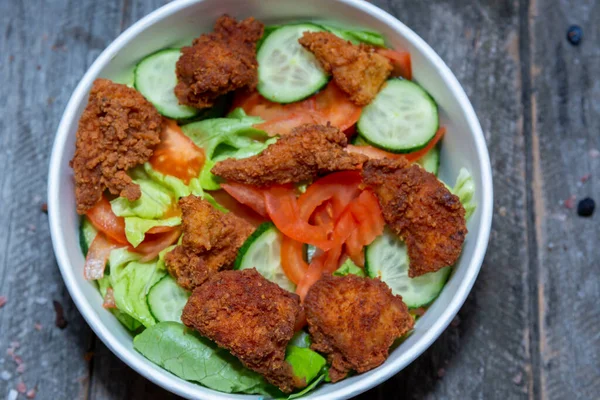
(287, 72)
(402, 118)
(386, 258)
(166, 300)
(155, 79)
(262, 250)
(87, 233)
(431, 161)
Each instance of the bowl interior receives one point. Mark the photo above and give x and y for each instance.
(179, 22)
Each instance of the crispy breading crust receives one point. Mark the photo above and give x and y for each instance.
(219, 62)
(251, 317)
(354, 321)
(117, 131)
(211, 240)
(358, 70)
(421, 211)
(308, 151)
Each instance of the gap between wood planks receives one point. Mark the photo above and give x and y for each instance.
(534, 199)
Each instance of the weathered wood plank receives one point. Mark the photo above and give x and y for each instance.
(485, 354)
(44, 50)
(566, 127)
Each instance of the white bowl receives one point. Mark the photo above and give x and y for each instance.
(463, 146)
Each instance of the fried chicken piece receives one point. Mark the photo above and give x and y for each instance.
(117, 131)
(251, 317)
(358, 70)
(354, 321)
(211, 240)
(421, 211)
(309, 150)
(219, 62)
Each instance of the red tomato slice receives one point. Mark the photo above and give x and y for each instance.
(313, 274)
(282, 207)
(420, 153)
(339, 187)
(176, 154)
(336, 107)
(155, 243)
(323, 216)
(400, 60)
(109, 299)
(292, 259)
(103, 219)
(354, 248)
(229, 202)
(284, 124)
(248, 195)
(97, 257)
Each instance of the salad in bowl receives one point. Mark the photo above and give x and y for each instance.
(261, 208)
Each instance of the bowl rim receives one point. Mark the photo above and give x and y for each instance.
(162, 377)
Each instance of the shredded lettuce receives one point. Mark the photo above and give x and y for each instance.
(131, 279)
(126, 320)
(356, 36)
(189, 356)
(464, 188)
(230, 137)
(136, 228)
(154, 202)
(348, 267)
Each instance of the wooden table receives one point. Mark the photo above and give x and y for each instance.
(529, 329)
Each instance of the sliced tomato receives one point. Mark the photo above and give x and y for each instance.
(354, 249)
(373, 152)
(155, 243)
(109, 299)
(420, 153)
(335, 106)
(323, 216)
(251, 196)
(284, 124)
(313, 274)
(97, 256)
(282, 207)
(104, 219)
(292, 259)
(234, 206)
(400, 60)
(176, 154)
(339, 187)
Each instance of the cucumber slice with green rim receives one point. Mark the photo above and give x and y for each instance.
(155, 79)
(262, 250)
(166, 300)
(287, 72)
(431, 160)
(387, 259)
(402, 118)
(87, 234)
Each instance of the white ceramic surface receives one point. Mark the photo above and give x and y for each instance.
(464, 145)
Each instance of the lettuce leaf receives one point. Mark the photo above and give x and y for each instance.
(189, 356)
(230, 137)
(348, 267)
(154, 202)
(129, 323)
(136, 228)
(464, 188)
(305, 362)
(357, 36)
(131, 280)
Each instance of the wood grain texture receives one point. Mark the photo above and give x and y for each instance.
(529, 329)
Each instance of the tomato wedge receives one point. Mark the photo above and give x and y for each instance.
(282, 207)
(250, 196)
(335, 106)
(339, 187)
(97, 256)
(176, 154)
(420, 153)
(104, 219)
(292, 259)
(241, 210)
(155, 243)
(400, 60)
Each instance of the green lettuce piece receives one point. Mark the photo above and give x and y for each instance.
(230, 137)
(300, 339)
(348, 267)
(154, 202)
(126, 320)
(305, 362)
(189, 356)
(464, 188)
(131, 279)
(309, 388)
(357, 36)
(136, 228)
(175, 185)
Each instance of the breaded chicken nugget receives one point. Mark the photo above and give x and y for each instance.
(358, 70)
(251, 317)
(308, 151)
(211, 240)
(117, 131)
(421, 211)
(219, 62)
(354, 321)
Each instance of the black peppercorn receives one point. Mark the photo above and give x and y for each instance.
(585, 208)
